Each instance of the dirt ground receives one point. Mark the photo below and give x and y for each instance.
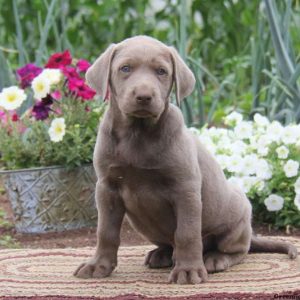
(87, 236)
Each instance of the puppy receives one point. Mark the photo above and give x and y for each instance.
(151, 168)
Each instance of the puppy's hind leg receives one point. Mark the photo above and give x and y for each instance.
(232, 247)
(160, 257)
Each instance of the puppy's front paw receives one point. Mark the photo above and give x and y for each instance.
(95, 268)
(188, 274)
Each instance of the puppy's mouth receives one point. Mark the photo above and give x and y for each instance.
(141, 113)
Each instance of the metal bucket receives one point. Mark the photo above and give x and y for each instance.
(52, 198)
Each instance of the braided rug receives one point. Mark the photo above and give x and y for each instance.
(47, 274)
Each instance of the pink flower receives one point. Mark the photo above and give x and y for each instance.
(27, 73)
(80, 89)
(58, 111)
(12, 115)
(82, 65)
(59, 60)
(74, 83)
(56, 95)
(3, 117)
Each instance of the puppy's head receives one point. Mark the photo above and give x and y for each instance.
(139, 74)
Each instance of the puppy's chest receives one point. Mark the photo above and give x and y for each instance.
(140, 187)
(135, 178)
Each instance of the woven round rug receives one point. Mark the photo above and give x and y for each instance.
(47, 274)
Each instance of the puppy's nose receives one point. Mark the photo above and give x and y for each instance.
(143, 99)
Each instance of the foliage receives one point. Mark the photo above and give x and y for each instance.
(275, 67)
(234, 68)
(3, 221)
(6, 240)
(59, 126)
(262, 158)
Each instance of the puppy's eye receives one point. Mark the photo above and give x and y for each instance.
(161, 71)
(125, 69)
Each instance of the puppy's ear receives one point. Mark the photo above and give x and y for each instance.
(97, 76)
(183, 77)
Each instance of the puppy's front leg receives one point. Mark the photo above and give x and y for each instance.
(188, 252)
(110, 216)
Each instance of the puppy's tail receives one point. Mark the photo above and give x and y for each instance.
(260, 244)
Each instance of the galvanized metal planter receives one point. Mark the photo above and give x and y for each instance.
(52, 198)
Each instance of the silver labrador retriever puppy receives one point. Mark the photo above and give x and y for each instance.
(151, 168)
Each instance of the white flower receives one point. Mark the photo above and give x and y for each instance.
(214, 132)
(194, 131)
(40, 86)
(57, 130)
(233, 119)
(250, 163)
(222, 160)
(282, 152)
(53, 75)
(263, 151)
(12, 98)
(222, 132)
(261, 120)
(290, 134)
(274, 131)
(243, 130)
(248, 183)
(297, 186)
(259, 184)
(291, 168)
(262, 145)
(274, 202)
(236, 181)
(253, 141)
(263, 169)
(209, 144)
(224, 143)
(235, 164)
(264, 141)
(297, 201)
(238, 147)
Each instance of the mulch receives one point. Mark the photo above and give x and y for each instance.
(47, 274)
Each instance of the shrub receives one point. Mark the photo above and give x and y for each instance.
(261, 157)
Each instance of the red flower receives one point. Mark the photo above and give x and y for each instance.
(82, 65)
(77, 86)
(59, 60)
(70, 72)
(15, 117)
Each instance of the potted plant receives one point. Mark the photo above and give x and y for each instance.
(48, 127)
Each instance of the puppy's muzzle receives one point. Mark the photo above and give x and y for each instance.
(143, 98)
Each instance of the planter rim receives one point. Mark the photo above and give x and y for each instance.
(35, 169)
